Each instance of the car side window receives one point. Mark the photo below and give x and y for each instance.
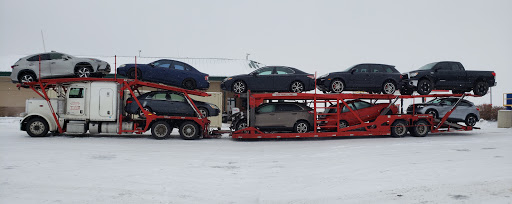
(76, 93)
(443, 66)
(176, 97)
(345, 109)
(283, 70)
(446, 102)
(33, 58)
(463, 103)
(267, 109)
(377, 68)
(55, 56)
(36, 57)
(266, 71)
(455, 67)
(159, 96)
(179, 66)
(363, 68)
(361, 104)
(388, 69)
(288, 107)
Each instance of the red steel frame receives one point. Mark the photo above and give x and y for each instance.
(381, 125)
(126, 84)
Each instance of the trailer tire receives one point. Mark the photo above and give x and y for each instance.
(37, 127)
(189, 130)
(399, 128)
(161, 130)
(420, 128)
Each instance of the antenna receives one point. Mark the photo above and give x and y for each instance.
(42, 36)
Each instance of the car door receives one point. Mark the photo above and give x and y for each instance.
(283, 78)
(445, 105)
(363, 110)
(262, 80)
(76, 101)
(60, 65)
(40, 64)
(286, 115)
(180, 72)
(447, 77)
(358, 77)
(161, 71)
(266, 116)
(157, 103)
(376, 76)
(179, 105)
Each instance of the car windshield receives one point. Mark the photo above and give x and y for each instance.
(348, 69)
(428, 66)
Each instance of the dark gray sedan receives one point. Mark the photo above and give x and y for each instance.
(169, 103)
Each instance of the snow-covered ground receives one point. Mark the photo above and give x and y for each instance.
(462, 167)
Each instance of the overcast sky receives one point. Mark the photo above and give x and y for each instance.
(321, 36)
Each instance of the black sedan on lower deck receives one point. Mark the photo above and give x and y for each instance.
(271, 79)
(169, 103)
(373, 78)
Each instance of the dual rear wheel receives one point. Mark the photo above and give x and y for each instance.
(189, 130)
(400, 128)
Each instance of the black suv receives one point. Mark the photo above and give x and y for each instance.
(373, 78)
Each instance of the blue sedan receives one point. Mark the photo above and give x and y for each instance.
(170, 72)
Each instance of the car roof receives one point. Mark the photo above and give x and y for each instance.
(297, 71)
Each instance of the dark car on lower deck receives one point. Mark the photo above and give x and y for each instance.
(362, 77)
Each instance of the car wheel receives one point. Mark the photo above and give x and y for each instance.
(141, 114)
(470, 120)
(189, 130)
(424, 87)
(420, 129)
(399, 128)
(189, 84)
(204, 112)
(342, 124)
(388, 87)
(481, 88)
(27, 77)
(37, 127)
(241, 125)
(337, 86)
(131, 74)
(83, 71)
(161, 130)
(406, 91)
(297, 87)
(301, 127)
(432, 112)
(239, 87)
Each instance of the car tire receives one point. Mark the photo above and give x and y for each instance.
(433, 112)
(337, 86)
(161, 130)
(342, 124)
(399, 128)
(481, 88)
(189, 130)
(131, 74)
(37, 127)
(406, 91)
(420, 128)
(241, 125)
(470, 120)
(189, 84)
(297, 87)
(83, 71)
(204, 112)
(27, 77)
(141, 114)
(301, 126)
(389, 87)
(239, 87)
(425, 86)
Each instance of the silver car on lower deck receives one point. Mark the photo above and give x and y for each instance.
(55, 64)
(465, 112)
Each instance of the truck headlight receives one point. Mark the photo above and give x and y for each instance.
(413, 74)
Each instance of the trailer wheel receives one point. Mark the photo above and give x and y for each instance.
(161, 130)
(37, 127)
(399, 128)
(420, 128)
(301, 127)
(189, 130)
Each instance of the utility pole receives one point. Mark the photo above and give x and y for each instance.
(42, 36)
(140, 52)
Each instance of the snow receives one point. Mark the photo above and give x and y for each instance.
(459, 167)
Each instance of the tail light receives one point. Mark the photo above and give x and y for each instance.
(493, 73)
(12, 67)
(478, 109)
(311, 76)
(401, 76)
(206, 78)
(129, 102)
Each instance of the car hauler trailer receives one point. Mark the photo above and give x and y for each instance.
(396, 125)
(96, 105)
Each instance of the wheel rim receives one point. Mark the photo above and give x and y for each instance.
(239, 87)
(425, 86)
(189, 130)
(27, 78)
(141, 114)
(471, 121)
(84, 72)
(337, 86)
(302, 128)
(203, 112)
(161, 130)
(389, 88)
(242, 126)
(343, 124)
(481, 88)
(421, 129)
(37, 127)
(297, 87)
(400, 129)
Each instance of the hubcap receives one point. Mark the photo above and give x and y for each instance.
(425, 86)
(203, 112)
(189, 130)
(297, 87)
(37, 127)
(84, 72)
(337, 86)
(302, 128)
(161, 130)
(389, 88)
(26, 78)
(239, 87)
